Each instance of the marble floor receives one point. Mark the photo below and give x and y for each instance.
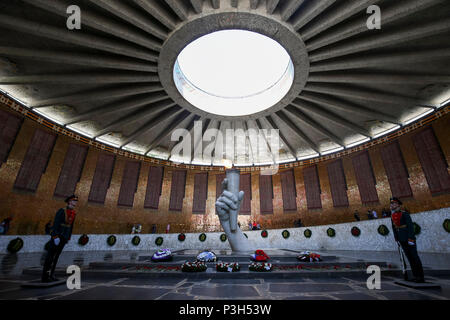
(112, 287)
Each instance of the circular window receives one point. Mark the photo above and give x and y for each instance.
(233, 72)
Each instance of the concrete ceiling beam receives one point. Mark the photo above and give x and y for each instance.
(407, 34)
(312, 10)
(77, 38)
(79, 59)
(398, 10)
(134, 17)
(315, 125)
(374, 77)
(282, 137)
(254, 4)
(290, 8)
(98, 22)
(271, 5)
(98, 94)
(179, 7)
(188, 128)
(197, 5)
(158, 12)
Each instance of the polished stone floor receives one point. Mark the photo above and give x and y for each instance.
(112, 287)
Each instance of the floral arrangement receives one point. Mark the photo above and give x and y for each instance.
(111, 240)
(307, 233)
(228, 267)
(15, 245)
(181, 237)
(331, 232)
(136, 240)
(356, 232)
(383, 230)
(260, 266)
(417, 228)
(446, 225)
(197, 266)
(159, 241)
(202, 237)
(83, 240)
(223, 237)
(307, 256)
(264, 233)
(285, 234)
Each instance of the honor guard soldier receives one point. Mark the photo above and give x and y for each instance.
(60, 235)
(403, 228)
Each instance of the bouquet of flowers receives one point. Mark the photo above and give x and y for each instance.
(307, 256)
(197, 266)
(227, 267)
(207, 256)
(260, 267)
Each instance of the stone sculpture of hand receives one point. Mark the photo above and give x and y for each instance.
(228, 206)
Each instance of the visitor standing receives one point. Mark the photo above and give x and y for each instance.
(374, 214)
(168, 228)
(4, 225)
(356, 215)
(60, 235)
(403, 228)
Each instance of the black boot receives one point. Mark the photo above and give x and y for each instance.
(45, 277)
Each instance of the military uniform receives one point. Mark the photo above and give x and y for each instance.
(403, 228)
(62, 230)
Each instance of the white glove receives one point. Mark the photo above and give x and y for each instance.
(56, 241)
(411, 243)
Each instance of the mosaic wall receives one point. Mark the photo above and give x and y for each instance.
(31, 211)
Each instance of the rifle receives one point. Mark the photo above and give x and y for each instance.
(402, 261)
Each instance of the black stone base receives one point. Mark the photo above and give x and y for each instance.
(415, 285)
(39, 284)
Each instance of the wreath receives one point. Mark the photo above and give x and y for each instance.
(228, 267)
(356, 232)
(197, 266)
(383, 230)
(15, 245)
(331, 232)
(136, 240)
(111, 240)
(307, 233)
(417, 228)
(202, 237)
(264, 233)
(159, 241)
(83, 240)
(223, 237)
(446, 225)
(260, 267)
(285, 234)
(181, 237)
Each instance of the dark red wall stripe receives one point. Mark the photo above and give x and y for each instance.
(177, 190)
(245, 184)
(129, 184)
(9, 129)
(432, 160)
(71, 170)
(154, 187)
(200, 192)
(312, 187)
(266, 194)
(288, 190)
(365, 177)
(338, 183)
(35, 161)
(102, 178)
(396, 170)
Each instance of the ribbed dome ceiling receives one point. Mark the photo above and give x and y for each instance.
(104, 80)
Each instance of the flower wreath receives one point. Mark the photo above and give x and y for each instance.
(307, 233)
(223, 237)
(136, 240)
(285, 234)
(446, 225)
(264, 233)
(260, 267)
(202, 237)
(15, 245)
(383, 230)
(228, 267)
(181, 237)
(331, 232)
(83, 240)
(197, 266)
(159, 241)
(417, 229)
(111, 240)
(356, 232)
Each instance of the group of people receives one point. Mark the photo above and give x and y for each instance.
(372, 214)
(254, 226)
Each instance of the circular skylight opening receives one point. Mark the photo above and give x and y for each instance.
(233, 72)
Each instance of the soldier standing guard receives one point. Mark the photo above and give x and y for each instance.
(403, 228)
(60, 235)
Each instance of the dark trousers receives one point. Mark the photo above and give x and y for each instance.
(52, 258)
(413, 258)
